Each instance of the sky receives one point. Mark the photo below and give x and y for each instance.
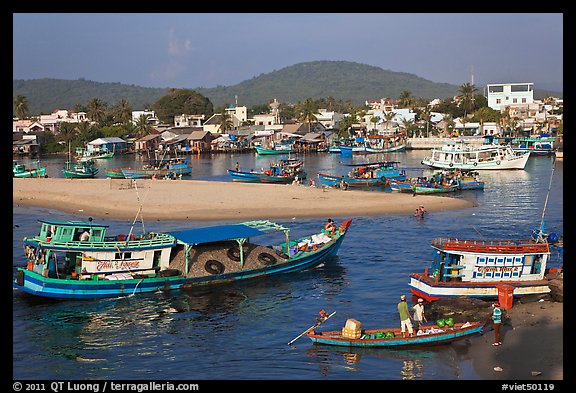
(203, 50)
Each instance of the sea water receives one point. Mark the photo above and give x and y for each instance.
(241, 331)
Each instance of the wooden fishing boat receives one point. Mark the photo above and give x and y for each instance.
(80, 170)
(85, 155)
(500, 268)
(160, 169)
(365, 175)
(541, 145)
(422, 187)
(483, 268)
(115, 173)
(63, 263)
(280, 172)
(391, 149)
(392, 337)
(458, 154)
(470, 180)
(274, 150)
(20, 170)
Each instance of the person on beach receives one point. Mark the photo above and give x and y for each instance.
(497, 322)
(419, 316)
(405, 318)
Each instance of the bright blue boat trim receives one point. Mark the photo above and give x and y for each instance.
(400, 342)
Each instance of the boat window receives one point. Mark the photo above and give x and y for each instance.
(97, 234)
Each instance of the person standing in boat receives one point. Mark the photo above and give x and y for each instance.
(419, 316)
(85, 236)
(405, 318)
(497, 323)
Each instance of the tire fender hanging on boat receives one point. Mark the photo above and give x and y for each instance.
(267, 259)
(213, 266)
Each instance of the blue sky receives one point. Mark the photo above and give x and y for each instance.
(194, 50)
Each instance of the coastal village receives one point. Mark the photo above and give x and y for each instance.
(520, 115)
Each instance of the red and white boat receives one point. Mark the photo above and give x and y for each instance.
(484, 269)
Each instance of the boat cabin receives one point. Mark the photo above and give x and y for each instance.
(488, 260)
(82, 250)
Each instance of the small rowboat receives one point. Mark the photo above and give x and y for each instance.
(375, 338)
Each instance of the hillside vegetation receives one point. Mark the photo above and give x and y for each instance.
(342, 80)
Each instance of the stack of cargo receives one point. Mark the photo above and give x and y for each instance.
(352, 329)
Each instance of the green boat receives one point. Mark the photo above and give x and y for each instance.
(80, 170)
(83, 260)
(20, 170)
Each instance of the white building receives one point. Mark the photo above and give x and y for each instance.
(238, 114)
(184, 120)
(505, 94)
(151, 115)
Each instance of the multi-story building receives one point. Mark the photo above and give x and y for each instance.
(509, 94)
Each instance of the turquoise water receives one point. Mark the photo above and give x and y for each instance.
(241, 331)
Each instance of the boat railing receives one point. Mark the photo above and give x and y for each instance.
(494, 246)
(143, 241)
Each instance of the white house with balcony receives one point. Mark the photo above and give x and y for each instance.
(238, 114)
(184, 120)
(150, 115)
(502, 95)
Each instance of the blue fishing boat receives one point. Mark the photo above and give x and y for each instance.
(365, 175)
(392, 337)
(80, 260)
(280, 172)
(171, 168)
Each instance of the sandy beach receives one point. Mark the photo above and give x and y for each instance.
(209, 200)
(532, 349)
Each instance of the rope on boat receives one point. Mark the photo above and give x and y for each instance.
(138, 213)
(541, 233)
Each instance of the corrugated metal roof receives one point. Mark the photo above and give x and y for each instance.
(215, 233)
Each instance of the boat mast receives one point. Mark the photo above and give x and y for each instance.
(541, 232)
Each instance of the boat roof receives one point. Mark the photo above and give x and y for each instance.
(380, 163)
(216, 233)
(72, 223)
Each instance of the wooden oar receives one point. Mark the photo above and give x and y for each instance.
(323, 317)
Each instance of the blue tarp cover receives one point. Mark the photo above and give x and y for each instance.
(215, 233)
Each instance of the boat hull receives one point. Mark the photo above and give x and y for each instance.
(457, 332)
(31, 173)
(265, 151)
(335, 181)
(424, 287)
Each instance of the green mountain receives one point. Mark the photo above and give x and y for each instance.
(342, 80)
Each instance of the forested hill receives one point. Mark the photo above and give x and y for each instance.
(341, 80)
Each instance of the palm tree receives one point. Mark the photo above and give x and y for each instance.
(388, 117)
(426, 116)
(97, 110)
(67, 133)
(225, 122)
(123, 111)
(467, 93)
(308, 112)
(374, 120)
(21, 106)
(406, 99)
(85, 132)
(448, 124)
(142, 127)
(408, 125)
